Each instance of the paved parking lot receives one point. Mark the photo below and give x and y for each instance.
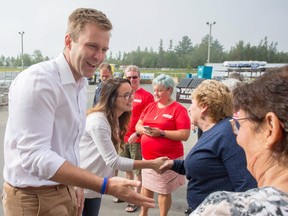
(108, 207)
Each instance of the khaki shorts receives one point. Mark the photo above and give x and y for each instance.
(55, 201)
(133, 151)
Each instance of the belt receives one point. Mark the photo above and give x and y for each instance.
(44, 187)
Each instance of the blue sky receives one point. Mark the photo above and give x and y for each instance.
(144, 22)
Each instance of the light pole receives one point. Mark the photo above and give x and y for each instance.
(22, 33)
(210, 24)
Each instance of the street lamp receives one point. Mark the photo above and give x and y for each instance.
(22, 33)
(210, 24)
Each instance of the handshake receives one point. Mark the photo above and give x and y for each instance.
(161, 164)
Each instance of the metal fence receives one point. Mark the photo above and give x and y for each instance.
(6, 79)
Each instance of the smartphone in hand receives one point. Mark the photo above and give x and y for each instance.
(147, 129)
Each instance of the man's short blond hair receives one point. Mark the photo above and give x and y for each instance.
(81, 16)
(132, 68)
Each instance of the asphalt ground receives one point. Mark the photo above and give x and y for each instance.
(108, 207)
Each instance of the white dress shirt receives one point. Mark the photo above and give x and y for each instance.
(97, 152)
(45, 124)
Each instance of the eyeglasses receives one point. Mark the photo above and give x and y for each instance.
(128, 95)
(235, 124)
(132, 77)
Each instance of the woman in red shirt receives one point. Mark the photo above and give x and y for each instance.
(164, 124)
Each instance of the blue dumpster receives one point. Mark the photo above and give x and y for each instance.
(204, 72)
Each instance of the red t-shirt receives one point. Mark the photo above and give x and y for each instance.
(172, 117)
(141, 99)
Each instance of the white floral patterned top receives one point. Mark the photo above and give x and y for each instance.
(259, 201)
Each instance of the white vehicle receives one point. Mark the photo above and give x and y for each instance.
(244, 64)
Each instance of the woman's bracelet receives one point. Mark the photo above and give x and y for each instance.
(104, 185)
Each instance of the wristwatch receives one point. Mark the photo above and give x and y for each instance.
(162, 133)
(137, 134)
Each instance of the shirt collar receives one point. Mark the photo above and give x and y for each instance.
(66, 74)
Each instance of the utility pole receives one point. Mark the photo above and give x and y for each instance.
(22, 33)
(210, 24)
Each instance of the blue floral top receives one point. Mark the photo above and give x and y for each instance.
(258, 201)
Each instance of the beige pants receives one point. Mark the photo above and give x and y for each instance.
(56, 201)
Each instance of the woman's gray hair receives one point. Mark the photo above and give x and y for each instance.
(165, 80)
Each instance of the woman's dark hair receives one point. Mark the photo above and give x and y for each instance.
(108, 96)
(267, 93)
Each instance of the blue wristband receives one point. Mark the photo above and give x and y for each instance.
(104, 185)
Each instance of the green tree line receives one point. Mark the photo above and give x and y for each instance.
(183, 55)
(15, 62)
(187, 55)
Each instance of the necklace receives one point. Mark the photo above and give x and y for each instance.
(157, 114)
(161, 110)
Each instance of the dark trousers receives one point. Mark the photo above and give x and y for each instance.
(91, 207)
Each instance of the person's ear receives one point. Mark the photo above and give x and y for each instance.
(204, 108)
(68, 41)
(274, 130)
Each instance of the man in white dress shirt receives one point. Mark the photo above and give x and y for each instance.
(47, 105)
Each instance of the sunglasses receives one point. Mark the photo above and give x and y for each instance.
(132, 77)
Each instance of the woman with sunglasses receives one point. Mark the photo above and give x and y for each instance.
(261, 127)
(105, 128)
(216, 162)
